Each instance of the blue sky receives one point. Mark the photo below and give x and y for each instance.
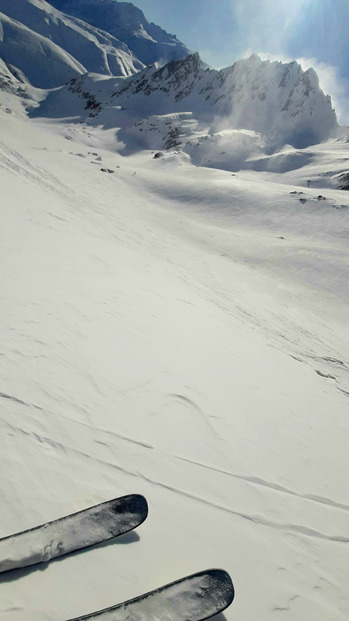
(315, 32)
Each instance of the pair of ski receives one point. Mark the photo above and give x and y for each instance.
(193, 598)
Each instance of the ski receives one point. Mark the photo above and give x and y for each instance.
(72, 532)
(193, 598)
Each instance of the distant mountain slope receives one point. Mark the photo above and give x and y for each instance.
(50, 47)
(43, 62)
(8, 82)
(279, 101)
(123, 20)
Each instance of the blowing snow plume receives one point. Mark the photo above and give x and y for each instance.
(280, 101)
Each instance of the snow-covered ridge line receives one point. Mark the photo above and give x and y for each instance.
(50, 46)
(54, 47)
(126, 22)
(276, 99)
(279, 102)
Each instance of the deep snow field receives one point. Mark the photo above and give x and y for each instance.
(182, 333)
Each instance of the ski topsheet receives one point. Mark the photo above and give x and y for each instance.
(72, 532)
(193, 598)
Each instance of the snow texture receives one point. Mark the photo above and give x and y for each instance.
(181, 333)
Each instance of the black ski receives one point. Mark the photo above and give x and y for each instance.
(72, 532)
(193, 598)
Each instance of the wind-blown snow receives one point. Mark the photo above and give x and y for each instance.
(281, 103)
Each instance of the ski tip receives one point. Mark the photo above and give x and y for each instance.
(196, 597)
(139, 505)
(132, 503)
(221, 583)
(224, 579)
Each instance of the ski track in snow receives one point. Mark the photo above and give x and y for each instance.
(3, 395)
(301, 530)
(16, 164)
(273, 486)
(257, 519)
(91, 427)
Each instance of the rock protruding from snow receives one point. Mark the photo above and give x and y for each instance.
(8, 81)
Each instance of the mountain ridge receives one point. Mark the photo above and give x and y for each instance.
(126, 22)
(50, 47)
(281, 102)
(97, 74)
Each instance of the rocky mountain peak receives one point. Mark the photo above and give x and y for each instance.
(79, 41)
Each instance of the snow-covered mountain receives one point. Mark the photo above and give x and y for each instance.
(44, 46)
(50, 47)
(278, 100)
(184, 105)
(126, 22)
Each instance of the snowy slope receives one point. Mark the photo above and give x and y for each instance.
(43, 63)
(126, 22)
(199, 110)
(167, 327)
(8, 82)
(50, 47)
(182, 333)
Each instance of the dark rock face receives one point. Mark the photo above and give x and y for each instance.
(343, 181)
